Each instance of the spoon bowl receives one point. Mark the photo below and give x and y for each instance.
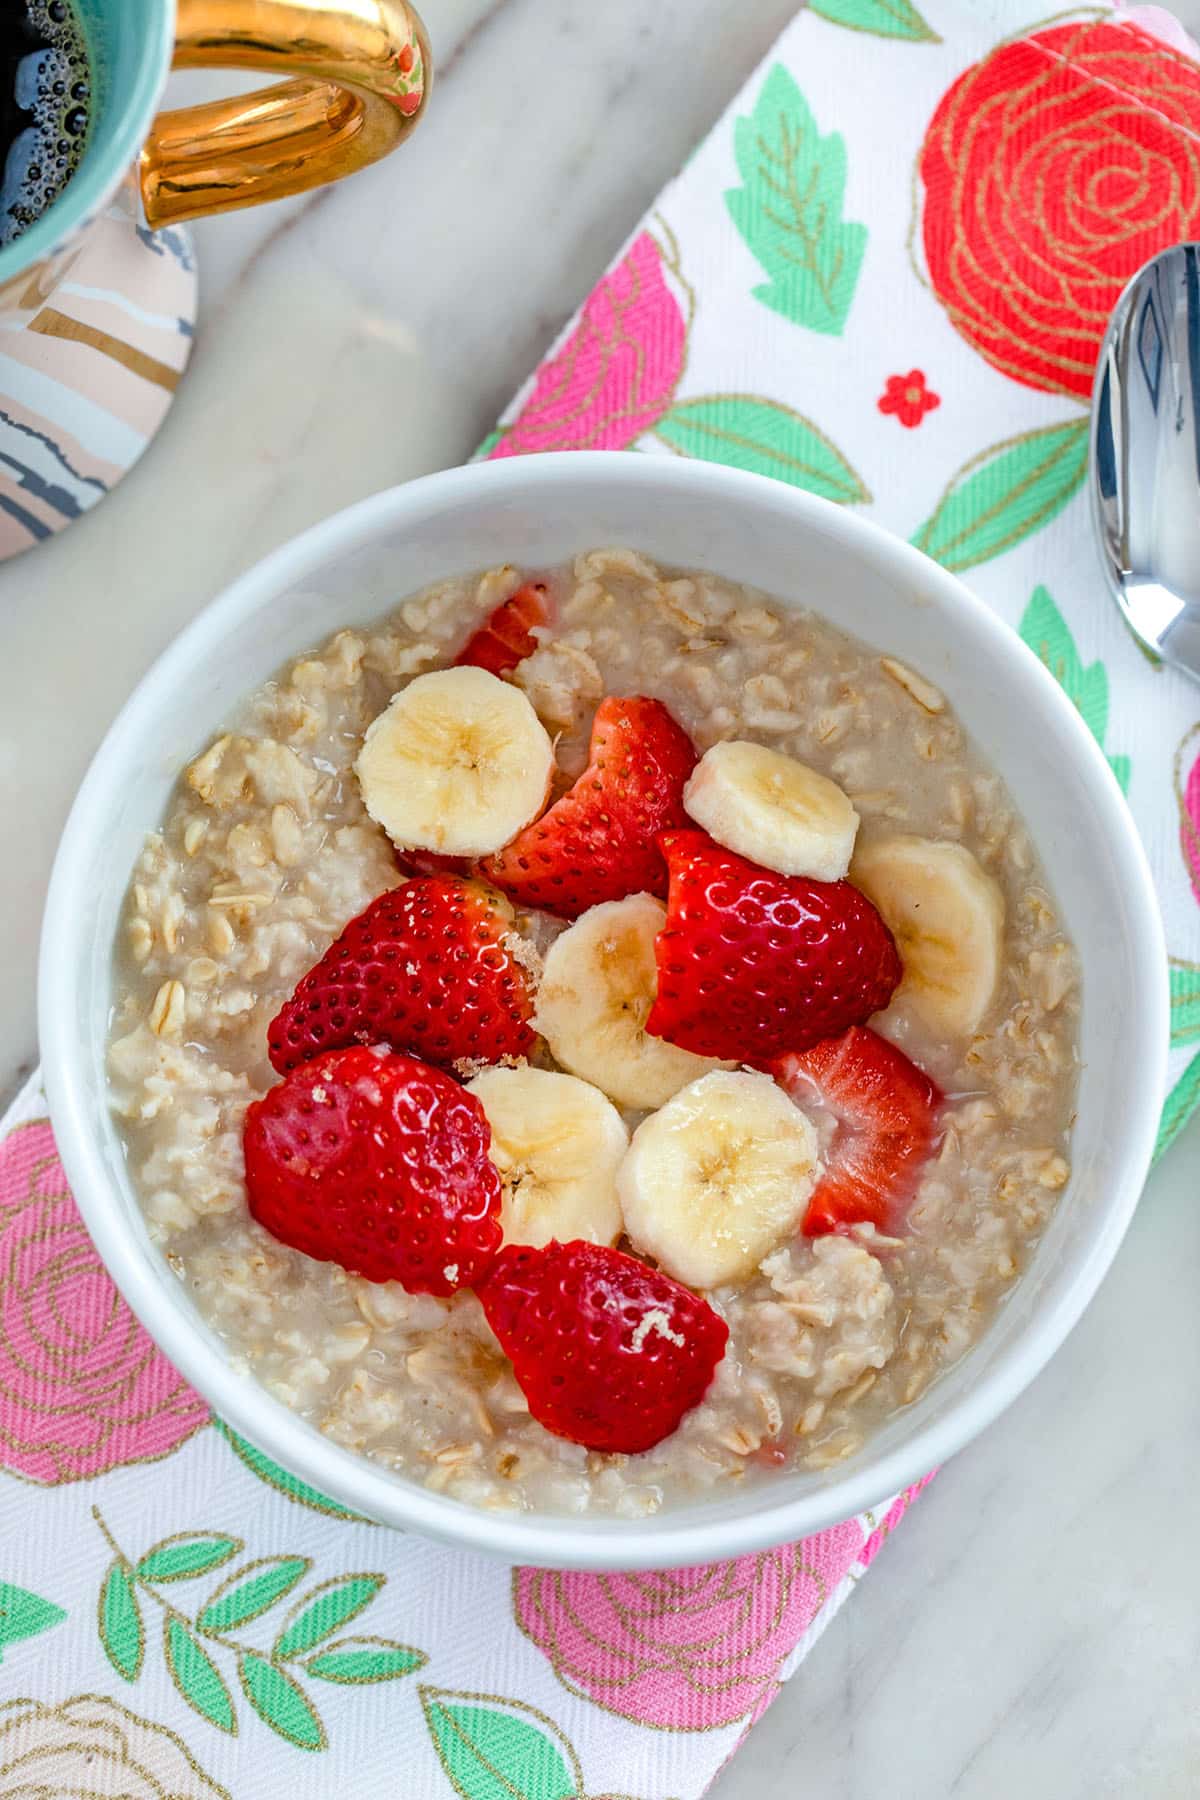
(1145, 461)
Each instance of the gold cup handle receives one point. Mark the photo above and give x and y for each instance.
(360, 77)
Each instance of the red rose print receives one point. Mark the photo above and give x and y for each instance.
(1052, 170)
(908, 397)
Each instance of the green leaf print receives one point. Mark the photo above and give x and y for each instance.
(1185, 1003)
(281, 1703)
(1005, 494)
(120, 1622)
(198, 1635)
(251, 1591)
(1182, 1101)
(495, 1749)
(24, 1615)
(318, 1614)
(1049, 637)
(196, 1675)
(789, 208)
(749, 432)
(290, 1486)
(355, 1660)
(185, 1556)
(883, 18)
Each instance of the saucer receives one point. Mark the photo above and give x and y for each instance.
(89, 365)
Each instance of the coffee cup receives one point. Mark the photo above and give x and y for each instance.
(98, 290)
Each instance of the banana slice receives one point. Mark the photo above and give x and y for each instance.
(557, 1143)
(718, 1178)
(947, 917)
(598, 986)
(772, 809)
(458, 763)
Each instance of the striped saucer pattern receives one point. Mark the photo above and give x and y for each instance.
(88, 370)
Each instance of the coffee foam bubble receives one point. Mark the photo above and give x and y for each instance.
(52, 89)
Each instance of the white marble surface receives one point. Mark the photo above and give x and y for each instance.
(1035, 1629)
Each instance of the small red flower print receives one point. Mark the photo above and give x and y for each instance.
(908, 397)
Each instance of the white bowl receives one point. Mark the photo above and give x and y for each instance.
(539, 510)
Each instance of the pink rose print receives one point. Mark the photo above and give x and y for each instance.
(683, 1649)
(896, 1512)
(1188, 792)
(82, 1387)
(617, 373)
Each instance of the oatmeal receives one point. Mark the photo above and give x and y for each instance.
(838, 1312)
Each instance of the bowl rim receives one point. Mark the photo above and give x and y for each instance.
(668, 1539)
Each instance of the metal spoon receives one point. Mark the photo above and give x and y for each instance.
(1145, 461)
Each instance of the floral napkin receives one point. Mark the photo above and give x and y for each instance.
(884, 277)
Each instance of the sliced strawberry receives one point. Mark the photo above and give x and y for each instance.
(608, 1352)
(507, 637)
(887, 1125)
(599, 842)
(751, 963)
(428, 967)
(378, 1163)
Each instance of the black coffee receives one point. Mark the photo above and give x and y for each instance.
(45, 94)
